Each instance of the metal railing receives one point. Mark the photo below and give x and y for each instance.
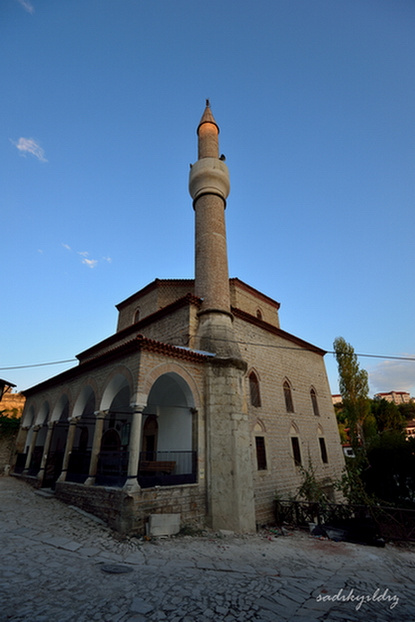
(388, 522)
(167, 468)
(112, 468)
(78, 466)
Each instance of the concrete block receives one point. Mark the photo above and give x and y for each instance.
(163, 524)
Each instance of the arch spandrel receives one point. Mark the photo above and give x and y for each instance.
(120, 379)
(182, 376)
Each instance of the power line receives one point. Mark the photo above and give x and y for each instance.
(391, 357)
(38, 365)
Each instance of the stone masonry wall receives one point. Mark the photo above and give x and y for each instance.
(274, 361)
(247, 300)
(7, 450)
(129, 513)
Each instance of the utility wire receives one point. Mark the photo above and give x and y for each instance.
(37, 365)
(244, 343)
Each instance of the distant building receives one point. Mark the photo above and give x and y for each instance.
(199, 404)
(336, 399)
(410, 429)
(12, 404)
(348, 451)
(396, 397)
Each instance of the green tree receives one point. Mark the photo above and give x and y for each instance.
(387, 415)
(354, 389)
(8, 425)
(407, 410)
(391, 474)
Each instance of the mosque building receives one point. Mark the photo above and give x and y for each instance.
(199, 404)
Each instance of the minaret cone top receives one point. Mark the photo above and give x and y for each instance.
(207, 117)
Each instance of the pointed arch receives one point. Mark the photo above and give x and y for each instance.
(254, 389)
(118, 385)
(294, 428)
(314, 402)
(295, 443)
(259, 432)
(259, 427)
(288, 396)
(28, 418)
(43, 414)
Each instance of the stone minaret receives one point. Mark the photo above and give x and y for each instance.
(209, 187)
(229, 467)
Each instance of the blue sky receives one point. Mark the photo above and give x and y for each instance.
(315, 101)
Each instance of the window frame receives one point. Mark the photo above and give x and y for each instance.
(296, 450)
(254, 390)
(314, 402)
(261, 453)
(288, 396)
(323, 450)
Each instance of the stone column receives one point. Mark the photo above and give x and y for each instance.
(36, 429)
(68, 448)
(46, 448)
(96, 446)
(134, 447)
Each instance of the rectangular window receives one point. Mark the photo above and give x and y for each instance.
(261, 457)
(323, 450)
(295, 444)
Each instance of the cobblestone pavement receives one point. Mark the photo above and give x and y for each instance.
(58, 564)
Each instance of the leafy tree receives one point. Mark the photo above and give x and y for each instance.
(8, 425)
(387, 415)
(354, 389)
(407, 410)
(391, 474)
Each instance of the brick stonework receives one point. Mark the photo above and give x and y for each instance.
(194, 401)
(128, 513)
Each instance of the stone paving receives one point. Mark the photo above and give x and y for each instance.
(58, 564)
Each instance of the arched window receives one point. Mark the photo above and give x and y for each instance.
(289, 405)
(137, 316)
(323, 450)
(314, 402)
(261, 456)
(254, 389)
(259, 314)
(295, 446)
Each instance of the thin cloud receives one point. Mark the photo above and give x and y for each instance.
(392, 376)
(91, 263)
(27, 6)
(29, 145)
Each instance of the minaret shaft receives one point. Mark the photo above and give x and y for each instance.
(208, 146)
(211, 260)
(209, 187)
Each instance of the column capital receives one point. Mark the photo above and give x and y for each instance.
(101, 414)
(137, 408)
(74, 420)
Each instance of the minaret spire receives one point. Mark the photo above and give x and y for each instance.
(209, 187)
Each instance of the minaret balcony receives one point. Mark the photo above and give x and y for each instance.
(209, 176)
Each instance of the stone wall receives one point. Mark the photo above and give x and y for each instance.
(7, 451)
(128, 513)
(275, 360)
